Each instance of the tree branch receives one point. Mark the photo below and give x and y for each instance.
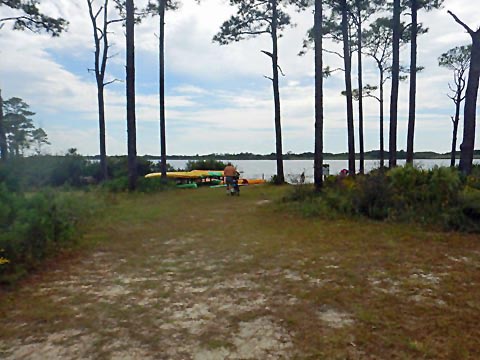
(98, 12)
(333, 52)
(111, 82)
(465, 26)
(114, 21)
(269, 54)
(112, 56)
(372, 96)
(450, 87)
(253, 32)
(336, 69)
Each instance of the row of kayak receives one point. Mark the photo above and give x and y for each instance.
(192, 179)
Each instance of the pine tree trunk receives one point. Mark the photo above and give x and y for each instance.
(413, 82)
(276, 96)
(456, 121)
(360, 89)
(454, 135)
(101, 125)
(130, 70)
(468, 144)
(3, 137)
(382, 145)
(161, 40)
(395, 81)
(100, 67)
(348, 88)
(318, 159)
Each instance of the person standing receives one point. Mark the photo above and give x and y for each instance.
(228, 175)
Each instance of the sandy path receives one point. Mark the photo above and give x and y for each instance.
(179, 301)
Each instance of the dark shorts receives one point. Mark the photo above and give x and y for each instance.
(229, 180)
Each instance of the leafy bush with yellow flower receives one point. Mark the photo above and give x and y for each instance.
(2, 259)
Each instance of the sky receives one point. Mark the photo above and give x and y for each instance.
(217, 98)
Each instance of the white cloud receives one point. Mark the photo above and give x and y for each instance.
(207, 111)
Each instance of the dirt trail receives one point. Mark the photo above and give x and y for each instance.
(179, 301)
(164, 306)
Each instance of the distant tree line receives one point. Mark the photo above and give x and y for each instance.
(308, 155)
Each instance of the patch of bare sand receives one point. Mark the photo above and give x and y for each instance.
(381, 282)
(69, 344)
(183, 311)
(335, 319)
(125, 349)
(260, 338)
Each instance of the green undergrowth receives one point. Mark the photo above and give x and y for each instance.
(440, 197)
(35, 227)
(144, 185)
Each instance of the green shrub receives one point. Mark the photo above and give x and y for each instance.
(339, 199)
(38, 226)
(316, 206)
(473, 180)
(117, 185)
(9, 177)
(299, 192)
(154, 185)
(440, 196)
(423, 196)
(408, 187)
(156, 167)
(469, 204)
(209, 164)
(444, 186)
(36, 172)
(143, 185)
(70, 170)
(118, 166)
(373, 195)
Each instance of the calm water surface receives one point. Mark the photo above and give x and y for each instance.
(254, 169)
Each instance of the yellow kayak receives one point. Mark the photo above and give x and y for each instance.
(201, 174)
(194, 174)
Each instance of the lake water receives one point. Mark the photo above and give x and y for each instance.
(258, 169)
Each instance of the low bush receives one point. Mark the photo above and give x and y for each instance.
(274, 180)
(37, 172)
(154, 185)
(300, 192)
(209, 164)
(440, 196)
(117, 185)
(467, 216)
(143, 185)
(72, 171)
(38, 226)
(157, 167)
(373, 195)
(118, 166)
